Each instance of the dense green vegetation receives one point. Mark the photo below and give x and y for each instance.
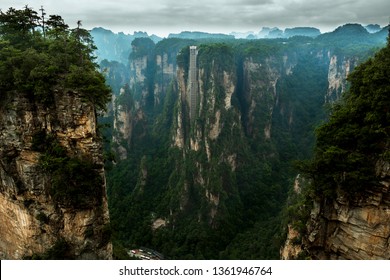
(157, 179)
(351, 146)
(283, 93)
(356, 136)
(37, 57)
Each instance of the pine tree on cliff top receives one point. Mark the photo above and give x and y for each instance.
(36, 58)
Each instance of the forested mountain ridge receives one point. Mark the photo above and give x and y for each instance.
(199, 148)
(116, 46)
(214, 186)
(342, 206)
(53, 202)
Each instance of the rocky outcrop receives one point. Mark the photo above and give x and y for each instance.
(291, 249)
(349, 217)
(346, 227)
(166, 70)
(357, 228)
(339, 69)
(123, 126)
(202, 135)
(138, 75)
(32, 219)
(150, 77)
(178, 138)
(260, 94)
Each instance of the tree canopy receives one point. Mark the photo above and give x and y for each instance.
(39, 55)
(357, 134)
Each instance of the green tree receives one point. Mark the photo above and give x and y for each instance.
(55, 26)
(357, 134)
(18, 26)
(36, 67)
(33, 63)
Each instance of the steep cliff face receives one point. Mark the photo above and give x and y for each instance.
(153, 70)
(344, 212)
(153, 67)
(339, 69)
(225, 170)
(261, 93)
(138, 69)
(345, 228)
(166, 69)
(204, 140)
(178, 135)
(358, 229)
(123, 127)
(34, 216)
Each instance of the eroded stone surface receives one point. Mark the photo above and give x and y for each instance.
(31, 221)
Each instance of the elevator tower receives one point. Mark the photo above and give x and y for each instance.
(192, 96)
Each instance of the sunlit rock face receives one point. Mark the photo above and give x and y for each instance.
(353, 229)
(339, 69)
(31, 220)
(345, 228)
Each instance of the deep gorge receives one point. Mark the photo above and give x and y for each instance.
(215, 186)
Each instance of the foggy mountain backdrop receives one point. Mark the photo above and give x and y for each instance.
(255, 145)
(216, 185)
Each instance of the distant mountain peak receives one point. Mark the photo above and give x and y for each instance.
(373, 28)
(275, 32)
(350, 29)
(199, 35)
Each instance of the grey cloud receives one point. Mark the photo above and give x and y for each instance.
(250, 2)
(208, 15)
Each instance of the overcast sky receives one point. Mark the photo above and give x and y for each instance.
(162, 17)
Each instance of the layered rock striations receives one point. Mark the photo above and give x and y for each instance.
(35, 218)
(337, 75)
(203, 131)
(352, 229)
(152, 72)
(344, 211)
(345, 228)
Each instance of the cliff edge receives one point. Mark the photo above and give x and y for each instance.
(343, 209)
(53, 202)
(43, 206)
